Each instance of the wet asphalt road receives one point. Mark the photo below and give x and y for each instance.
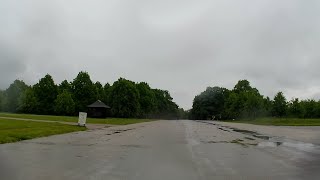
(164, 150)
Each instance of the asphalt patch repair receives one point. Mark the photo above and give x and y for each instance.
(119, 131)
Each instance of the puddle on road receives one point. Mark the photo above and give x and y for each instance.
(261, 136)
(249, 138)
(223, 129)
(213, 142)
(134, 146)
(272, 141)
(243, 131)
(251, 133)
(269, 144)
(301, 146)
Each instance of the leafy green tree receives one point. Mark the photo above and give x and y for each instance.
(254, 105)
(147, 99)
(310, 109)
(233, 106)
(245, 102)
(46, 92)
(84, 91)
(106, 90)
(267, 107)
(165, 107)
(99, 91)
(124, 99)
(13, 94)
(244, 86)
(210, 103)
(65, 85)
(183, 114)
(1, 100)
(28, 102)
(64, 104)
(295, 109)
(279, 105)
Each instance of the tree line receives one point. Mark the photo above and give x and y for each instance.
(244, 101)
(126, 98)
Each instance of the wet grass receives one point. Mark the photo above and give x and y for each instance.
(281, 121)
(14, 130)
(113, 121)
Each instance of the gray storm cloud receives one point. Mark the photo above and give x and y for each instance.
(182, 46)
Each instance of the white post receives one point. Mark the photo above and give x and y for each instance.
(82, 119)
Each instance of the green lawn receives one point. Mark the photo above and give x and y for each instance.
(114, 121)
(281, 121)
(15, 130)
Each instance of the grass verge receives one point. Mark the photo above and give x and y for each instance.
(113, 121)
(281, 121)
(14, 130)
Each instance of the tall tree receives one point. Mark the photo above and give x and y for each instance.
(147, 99)
(233, 106)
(45, 92)
(13, 94)
(245, 102)
(253, 105)
(84, 91)
(106, 90)
(165, 107)
(28, 102)
(64, 104)
(310, 109)
(210, 103)
(1, 100)
(279, 105)
(295, 109)
(99, 91)
(65, 85)
(267, 106)
(124, 99)
(243, 86)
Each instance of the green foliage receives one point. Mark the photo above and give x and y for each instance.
(165, 107)
(210, 103)
(64, 104)
(183, 114)
(124, 99)
(309, 109)
(45, 92)
(243, 101)
(28, 102)
(1, 100)
(279, 106)
(13, 95)
(147, 99)
(295, 109)
(84, 91)
(106, 92)
(280, 121)
(65, 85)
(100, 94)
(253, 106)
(233, 106)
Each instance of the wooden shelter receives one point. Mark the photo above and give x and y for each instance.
(98, 110)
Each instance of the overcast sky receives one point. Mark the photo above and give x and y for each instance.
(182, 46)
